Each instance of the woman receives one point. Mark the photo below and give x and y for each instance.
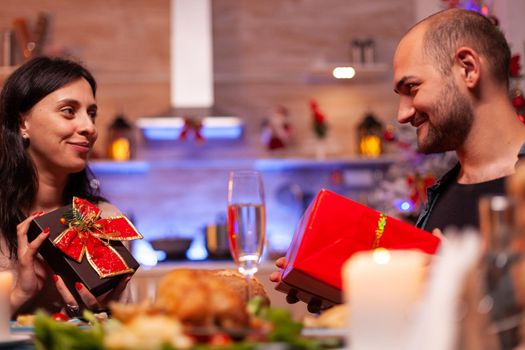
(47, 130)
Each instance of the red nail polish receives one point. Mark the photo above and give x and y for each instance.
(55, 278)
(46, 231)
(37, 213)
(78, 285)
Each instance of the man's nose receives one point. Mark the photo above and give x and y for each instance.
(406, 110)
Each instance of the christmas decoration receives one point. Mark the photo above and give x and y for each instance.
(319, 121)
(277, 130)
(401, 193)
(480, 6)
(88, 235)
(191, 126)
(121, 145)
(516, 93)
(370, 136)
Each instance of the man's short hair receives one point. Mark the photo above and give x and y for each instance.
(448, 30)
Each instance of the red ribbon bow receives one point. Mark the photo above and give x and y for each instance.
(192, 125)
(89, 235)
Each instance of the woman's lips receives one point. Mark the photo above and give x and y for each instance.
(81, 147)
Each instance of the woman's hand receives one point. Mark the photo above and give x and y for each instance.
(92, 303)
(28, 282)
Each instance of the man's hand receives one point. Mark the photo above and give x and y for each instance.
(276, 275)
(438, 233)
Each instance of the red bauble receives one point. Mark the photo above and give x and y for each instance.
(518, 102)
(389, 135)
(515, 67)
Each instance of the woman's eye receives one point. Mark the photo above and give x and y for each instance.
(67, 110)
(92, 114)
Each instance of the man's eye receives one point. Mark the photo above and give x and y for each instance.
(411, 87)
(92, 114)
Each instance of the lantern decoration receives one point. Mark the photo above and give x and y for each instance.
(121, 140)
(370, 134)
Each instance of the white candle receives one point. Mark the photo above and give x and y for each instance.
(380, 288)
(6, 281)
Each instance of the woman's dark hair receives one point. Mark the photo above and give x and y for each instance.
(24, 88)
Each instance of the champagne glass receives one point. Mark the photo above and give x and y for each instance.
(246, 221)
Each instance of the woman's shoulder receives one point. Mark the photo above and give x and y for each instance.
(108, 209)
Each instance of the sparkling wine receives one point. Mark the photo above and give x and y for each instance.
(246, 230)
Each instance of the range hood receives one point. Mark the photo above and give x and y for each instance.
(191, 78)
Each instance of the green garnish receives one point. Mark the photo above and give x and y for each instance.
(58, 335)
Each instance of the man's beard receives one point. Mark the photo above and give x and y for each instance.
(453, 118)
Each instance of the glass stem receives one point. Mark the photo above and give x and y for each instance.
(248, 287)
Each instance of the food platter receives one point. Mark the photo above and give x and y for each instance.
(27, 330)
(14, 339)
(325, 332)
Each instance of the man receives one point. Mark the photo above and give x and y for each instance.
(451, 73)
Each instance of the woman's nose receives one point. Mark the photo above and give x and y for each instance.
(405, 110)
(87, 125)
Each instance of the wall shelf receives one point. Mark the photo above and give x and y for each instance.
(169, 128)
(100, 166)
(122, 168)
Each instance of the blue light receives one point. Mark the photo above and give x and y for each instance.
(161, 134)
(165, 134)
(144, 253)
(197, 249)
(126, 167)
(404, 205)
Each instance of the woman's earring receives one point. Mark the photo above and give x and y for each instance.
(25, 138)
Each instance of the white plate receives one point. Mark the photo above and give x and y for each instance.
(14, 339)
(325, 332)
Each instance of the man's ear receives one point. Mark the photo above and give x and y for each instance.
(468, 62)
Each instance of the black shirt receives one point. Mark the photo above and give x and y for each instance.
(458, 204)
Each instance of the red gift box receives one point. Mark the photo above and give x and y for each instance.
(83, 247)
(331, 230)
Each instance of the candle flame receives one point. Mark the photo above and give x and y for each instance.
(381, 256)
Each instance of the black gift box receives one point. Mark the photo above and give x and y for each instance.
(68, 269)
